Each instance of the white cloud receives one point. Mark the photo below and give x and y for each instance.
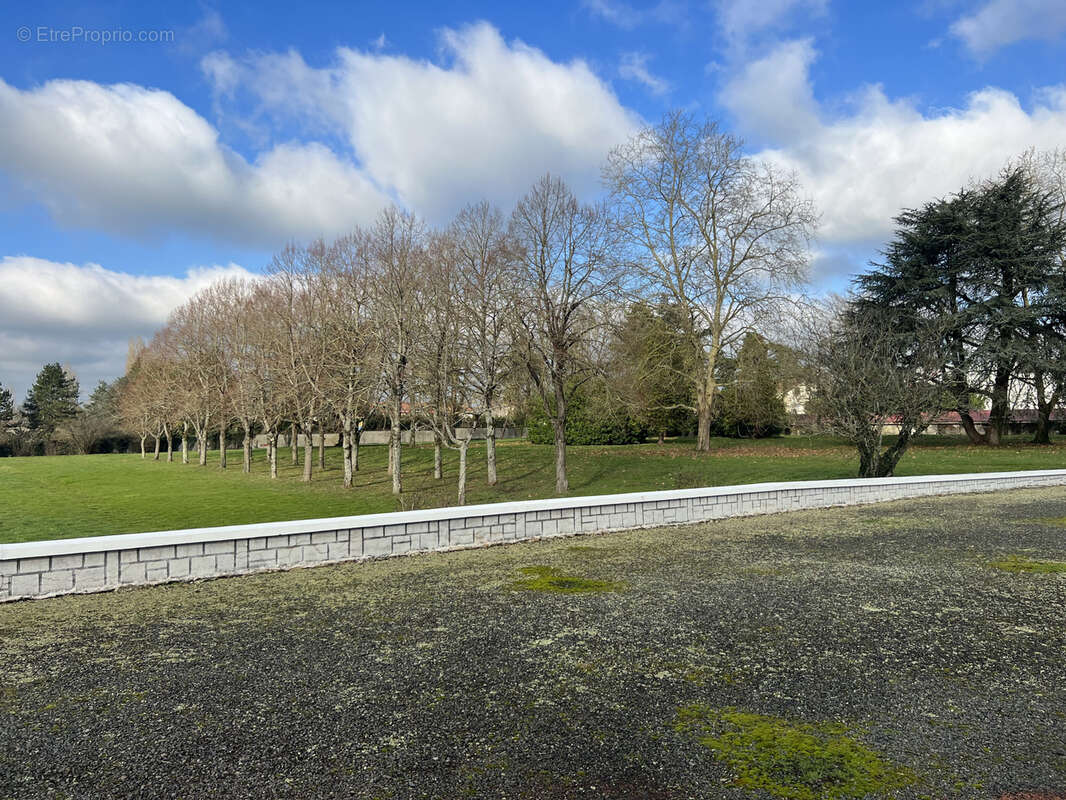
(138, 162)
(634, 67)
(999, 23)
(627, 16)
(486, 121)
(83, 315)
(741, 19)
(881, 155)
(772, 95)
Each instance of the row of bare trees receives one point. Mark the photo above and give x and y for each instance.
(400, 319)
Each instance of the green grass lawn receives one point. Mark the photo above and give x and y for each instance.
(68, 496)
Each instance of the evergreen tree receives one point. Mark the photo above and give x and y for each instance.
(651, 369)
(52, 400)
(984, 265)
(752, 401)
(7, 406)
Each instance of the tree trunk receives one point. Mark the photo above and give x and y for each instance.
(321, 446)
(662, 437)
(170, 443)
(705, 403)
(1044, 407)
(998, 416)
(490, 446)
(185, 443)
(272, 453)
(438, 471)
(463, 445)
(144, 453)
(158, 446)
(559, 429)
(346, 445)
(222, 448)
(970, 427)
(293, 441)
(396, 445)
(357, 435)
(247, 444)
(309, 452)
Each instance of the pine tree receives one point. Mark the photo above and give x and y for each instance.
(7, 406)
(52, 400)
(984, 265)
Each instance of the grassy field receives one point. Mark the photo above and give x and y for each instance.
(69, 496)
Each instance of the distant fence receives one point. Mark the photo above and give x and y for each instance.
(382, 437)
(64, 566)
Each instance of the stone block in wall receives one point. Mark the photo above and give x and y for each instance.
(26, 585)
(90, 578)
(156, 570)
(337, 550)
(133, 572)
(377, 546)
(94, 559)
(41, 564)
(68, 562)
(155, 553)
(202, 566)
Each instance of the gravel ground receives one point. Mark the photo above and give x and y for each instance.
(456, 675)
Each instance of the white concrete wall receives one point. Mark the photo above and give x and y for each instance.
(64, 566)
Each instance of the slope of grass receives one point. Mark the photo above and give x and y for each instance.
(68, 496)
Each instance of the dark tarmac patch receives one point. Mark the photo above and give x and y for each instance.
(431, 677)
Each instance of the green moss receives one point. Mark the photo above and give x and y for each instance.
(549, 579)
(799, 761)
(1023, 564)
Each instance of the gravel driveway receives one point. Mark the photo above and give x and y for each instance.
(854, 652)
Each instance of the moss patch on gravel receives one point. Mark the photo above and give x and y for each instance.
(1023, 564)
(800, 761)
(549, 579)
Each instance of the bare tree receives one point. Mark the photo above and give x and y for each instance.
(566, 267)
(441, 359)
(712, 232)
(264, 369)
(397, 246)
(484, 258)
(190, 344)
(871, 376)
(296, 273)
(352, 375)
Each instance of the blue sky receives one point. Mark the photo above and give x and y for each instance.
(134, 172)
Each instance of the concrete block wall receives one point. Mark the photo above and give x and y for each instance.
(64, 566)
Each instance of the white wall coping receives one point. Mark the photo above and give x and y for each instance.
(256, 530)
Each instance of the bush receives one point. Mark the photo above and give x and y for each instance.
(585, 425)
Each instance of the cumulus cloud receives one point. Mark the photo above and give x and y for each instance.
(83, 315)
(139, 162)
(634, 67)
(879, 155)
(999, 23)
(485, 121)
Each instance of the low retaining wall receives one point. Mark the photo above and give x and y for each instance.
(64, 566)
